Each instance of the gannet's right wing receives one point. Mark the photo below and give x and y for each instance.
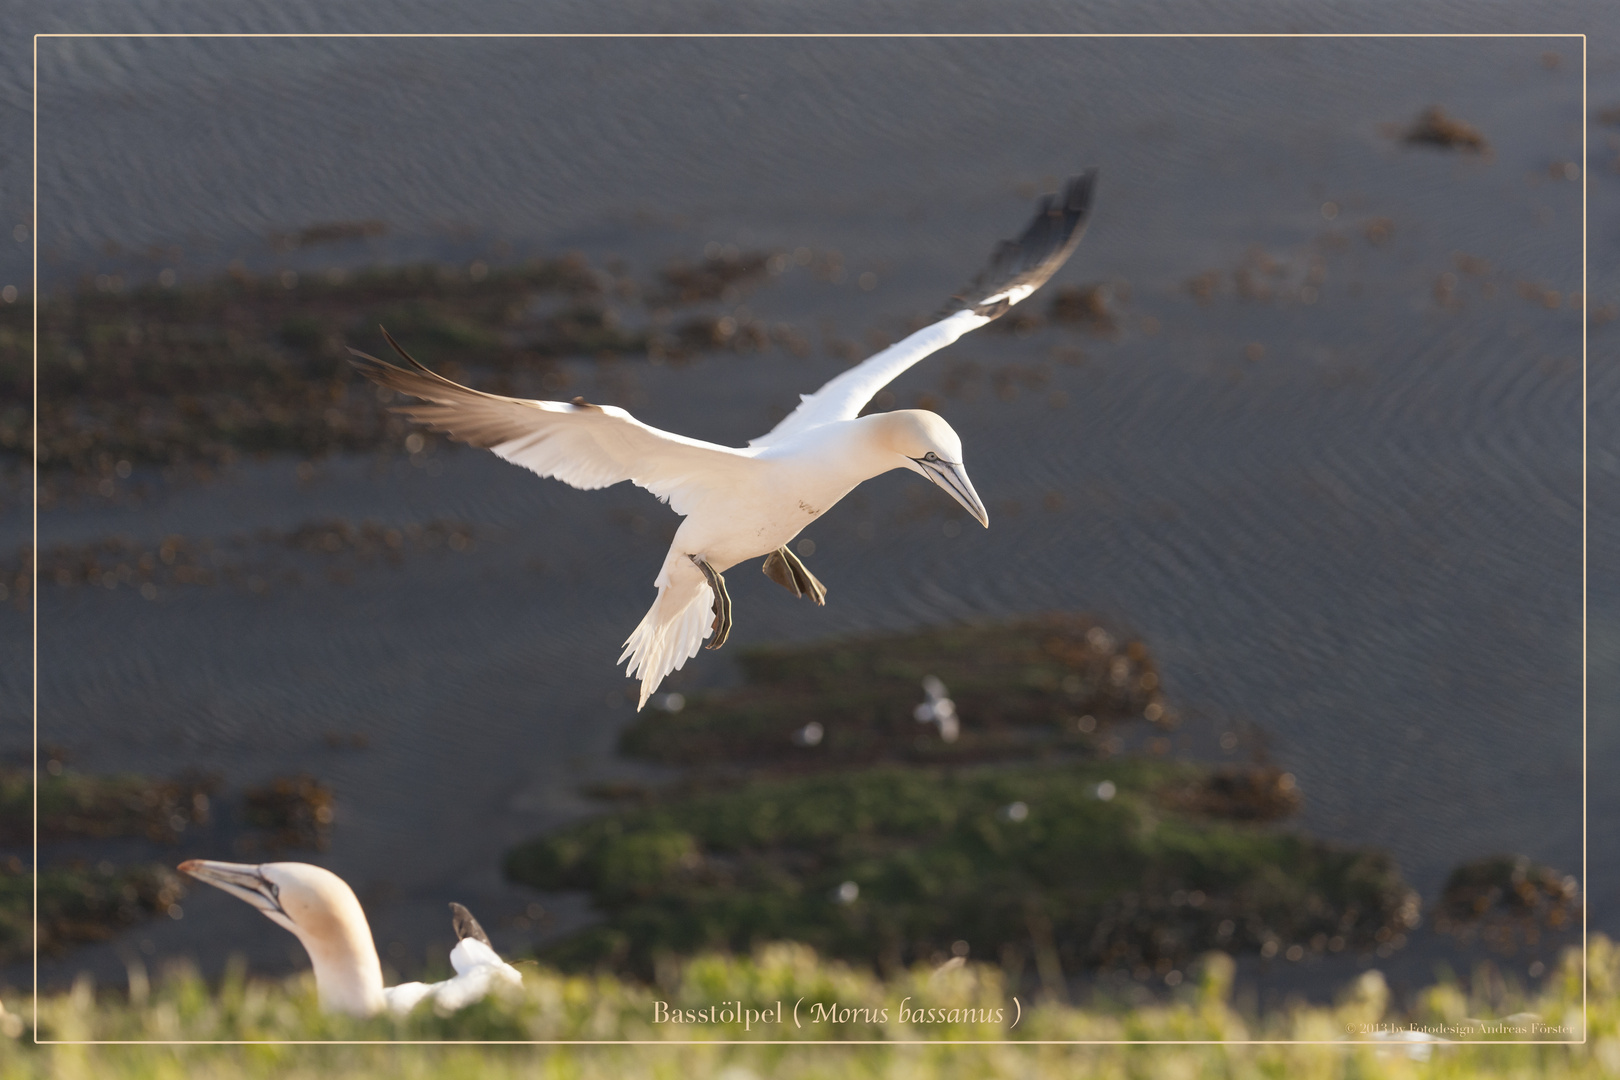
(587, 446)
(1016, 269)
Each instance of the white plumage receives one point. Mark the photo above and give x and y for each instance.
(322, 911)
(743, 503)
(479, 970)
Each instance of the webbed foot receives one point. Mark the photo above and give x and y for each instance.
(784, 568)
(722, 604)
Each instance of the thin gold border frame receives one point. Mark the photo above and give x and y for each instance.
(1342, 1043)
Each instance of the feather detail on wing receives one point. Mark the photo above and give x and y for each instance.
(583, 445)
(1016, 269)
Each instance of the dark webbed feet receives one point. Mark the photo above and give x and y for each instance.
(722, 603)
(784, 568)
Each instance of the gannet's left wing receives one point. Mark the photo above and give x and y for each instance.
(1016, 269)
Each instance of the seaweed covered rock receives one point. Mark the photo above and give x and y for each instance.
(79, 903)
(180, 372)
(1241, 792)
(1084, 863)
(1506, 899)
(291, 812)
(1032, 686)
(74, 805)
(1435, 127)
(828, 802)
(96, 831)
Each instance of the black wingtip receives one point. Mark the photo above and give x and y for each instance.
(1078, 191)
(467, 926)
(409, 359)
(1045, 244)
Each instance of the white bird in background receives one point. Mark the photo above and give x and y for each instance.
(321, 909)
(744, 503)
(938, 709)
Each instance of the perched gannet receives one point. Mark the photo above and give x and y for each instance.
(744, 503)
(321, 909)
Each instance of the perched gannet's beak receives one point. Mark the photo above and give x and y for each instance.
(953, 478)
(243, 882)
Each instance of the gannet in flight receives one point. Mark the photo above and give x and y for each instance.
(321, 909)
(741, 504)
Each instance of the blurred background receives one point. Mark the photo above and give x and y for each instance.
(1310, 427)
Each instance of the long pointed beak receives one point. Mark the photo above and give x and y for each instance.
(240, 880)
(954, 479)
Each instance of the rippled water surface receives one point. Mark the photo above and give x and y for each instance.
(1342, 503)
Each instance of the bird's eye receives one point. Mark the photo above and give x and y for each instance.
(930, 456)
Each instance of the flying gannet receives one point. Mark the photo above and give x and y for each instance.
(741, 504)
(321, 909)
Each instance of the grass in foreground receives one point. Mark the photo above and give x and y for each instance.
(558, 1007)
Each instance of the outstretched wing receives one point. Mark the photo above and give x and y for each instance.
(586, 446)
(1016, 269)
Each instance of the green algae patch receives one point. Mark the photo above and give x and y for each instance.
(1051, 684)
(1082, 864)
(816, 807)
(201, 373)
(239, 364)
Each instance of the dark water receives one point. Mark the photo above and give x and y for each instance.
(1349, 510)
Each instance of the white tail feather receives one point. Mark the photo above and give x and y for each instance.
(670, 634)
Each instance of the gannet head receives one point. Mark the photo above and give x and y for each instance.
(321, 909)
(930, 447)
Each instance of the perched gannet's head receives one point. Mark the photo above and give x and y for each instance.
(933, 449)
(321, 909)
